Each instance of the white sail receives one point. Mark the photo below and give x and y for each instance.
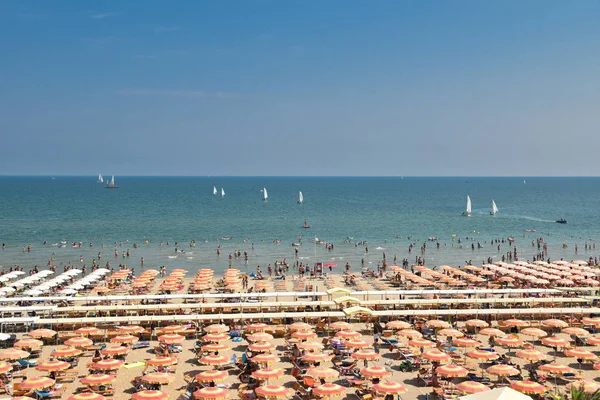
(214, 190)
(112, 181)
(468, 211)
(100, 179)
(222, 192)
(265, 194)
(494, 208)
(300, 198)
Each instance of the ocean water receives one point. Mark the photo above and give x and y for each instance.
(388, 213)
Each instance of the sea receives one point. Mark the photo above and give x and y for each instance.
(177, 222)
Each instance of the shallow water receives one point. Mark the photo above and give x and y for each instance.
(383, 211)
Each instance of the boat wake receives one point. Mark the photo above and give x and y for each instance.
(530, 218)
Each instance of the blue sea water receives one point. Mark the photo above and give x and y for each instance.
(383, 211)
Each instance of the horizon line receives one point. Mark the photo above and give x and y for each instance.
(299, 176)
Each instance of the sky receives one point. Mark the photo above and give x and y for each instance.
(278, 88)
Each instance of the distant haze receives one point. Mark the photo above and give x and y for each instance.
(264, 88)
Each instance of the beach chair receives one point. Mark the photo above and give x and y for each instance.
(27, 363)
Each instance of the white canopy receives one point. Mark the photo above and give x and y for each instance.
(504, 393)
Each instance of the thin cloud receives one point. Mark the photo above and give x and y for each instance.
(104, 15)
(165, 29)
(175, 93)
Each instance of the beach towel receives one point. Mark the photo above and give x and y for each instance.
(135, 365)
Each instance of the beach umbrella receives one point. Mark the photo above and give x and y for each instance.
(580, 353)
(345, 326)
(5, 367)
(109, 364)
(268, 373)
(300, 326)
(158, 378)
(594, 340)
(28, 343)
(273, 392)
(130, 329)
(357, 344)
(171, 329)
(215, 337)
(86, 396)
(161, 361)
(150, 395)
(171, 338)
(436, 355)
(580, 332)
(305, 335)
(586, 386)
(37, 382)
(79, 341)
(348, 334)
(214, 360)
(261, 347)
(98, 379)
(492, 332)
(42, 333)
(124, 339)
(310, 346)
(375, 371)
(554, 368)
(466, 342)
(535, 332)
(212, 375)
(420, 342)
(210, 393)
(216, 328)
(451, 371)
(65, 352)
(390, 388)
(259, 337)
(329, 390)
(510, 341)
(555, 341)
(451, 332)
(257, 327)
(436, 323)
(115, 351)
(483, 355)
(528, 387)
(477, 323)
(531, 355)
(365, 354)
(317, 357)
(410, 333)
(211, 347)
(265, 358)
(554, 323)
(13, 354)
(590, 321)
(87, 330)
(470, 387)
(502, 370)
(53, 366)
(323, 373)
(396, 325)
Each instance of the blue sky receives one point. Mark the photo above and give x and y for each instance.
(299, 87)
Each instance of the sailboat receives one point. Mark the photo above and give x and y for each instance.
(222, 192)
(100, 179)
(300, 198)
(494, 208)
(467, 213)
(265, 194)
(214, 190)
(111, 184)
